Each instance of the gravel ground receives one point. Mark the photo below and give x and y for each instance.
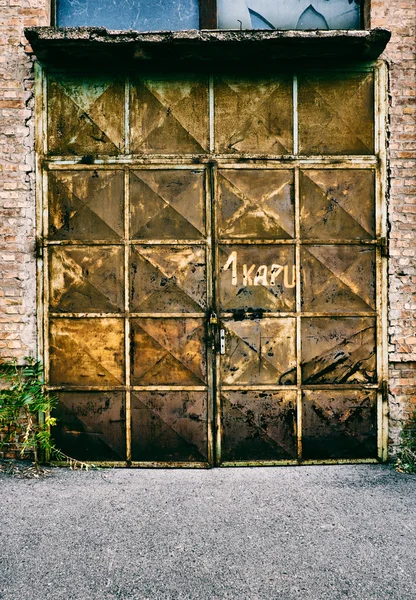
(329, 532)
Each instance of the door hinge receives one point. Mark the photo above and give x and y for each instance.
(383, 244)
(384, 388)
(38, 248)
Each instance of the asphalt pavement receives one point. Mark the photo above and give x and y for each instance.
(310, 533)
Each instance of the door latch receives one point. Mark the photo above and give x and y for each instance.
(222, 341)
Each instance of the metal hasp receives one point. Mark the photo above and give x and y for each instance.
(212, 280)
(222, 341)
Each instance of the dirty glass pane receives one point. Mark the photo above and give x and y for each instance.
(289, 14)
(140, 15)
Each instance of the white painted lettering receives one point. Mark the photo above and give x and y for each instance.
(248, 275)
(286, 277)
(261, 276)
(232, 261)
(275, 272)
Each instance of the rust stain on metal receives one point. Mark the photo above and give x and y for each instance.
(213, 240)
(85, 115)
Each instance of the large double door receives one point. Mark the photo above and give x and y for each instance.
(212, 268)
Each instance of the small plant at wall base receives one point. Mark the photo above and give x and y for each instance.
(21, 401)
(406, 461)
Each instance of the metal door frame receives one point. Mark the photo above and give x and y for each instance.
(209, 163)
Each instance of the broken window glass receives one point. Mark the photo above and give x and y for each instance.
(289, 14)
(139, 15)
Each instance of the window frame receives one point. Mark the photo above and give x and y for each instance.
(208, 14)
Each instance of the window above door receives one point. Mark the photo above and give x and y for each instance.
(178, 15)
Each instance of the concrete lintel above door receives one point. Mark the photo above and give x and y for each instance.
(93, 47)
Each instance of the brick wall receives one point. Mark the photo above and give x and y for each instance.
(400, 17)
(17, 198)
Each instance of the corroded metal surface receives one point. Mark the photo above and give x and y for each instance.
(169, 426)
(86, 279)
(168, 352)
(258, 425)
(212, 295)
(257, 278)
(336, 113)
(86, 205)
(261, 351)
(87, 352)
(338, 279)
(264, 109)
(339, 424)
(256, 204)
(169, 115)
(337, 204)
(85, 116)
(91, 425)
(167, 204)
(338, 350)
(168, 279)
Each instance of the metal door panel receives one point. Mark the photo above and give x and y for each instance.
(168, 352)
(339, 424)
(167, 204)
(257, 278)
(336, 113)
(91, 425)
(86, 205)
(258, 426)
(86, 115)
(169, 426)
(86, 279)
(338, 350)
(87, 352)
(337, 204)
(169, 114)
(168, 279)
(256, 204)
(259, 352)
(254, 115)
(338, 279)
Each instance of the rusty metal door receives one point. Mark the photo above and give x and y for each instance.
(212, 286)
